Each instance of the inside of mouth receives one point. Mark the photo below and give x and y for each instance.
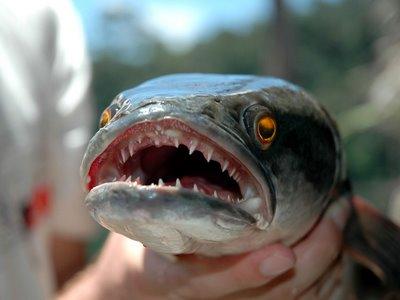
(170, 164)
(168, 153)
(174, 166)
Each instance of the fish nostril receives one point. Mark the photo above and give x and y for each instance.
(217, 99)
(210, 111)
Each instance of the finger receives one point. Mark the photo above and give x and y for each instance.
(315, 255)
(249, 271)
(194, 276)
(216, 277)
(329, 286)
(322, 246)
(339, 211)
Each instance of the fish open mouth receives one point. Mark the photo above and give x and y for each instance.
(168, 153)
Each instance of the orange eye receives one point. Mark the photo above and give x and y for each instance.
(266, 130)
(105, 118)
(108, 114)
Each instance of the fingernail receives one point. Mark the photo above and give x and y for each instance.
(339, 211)
(276, 265)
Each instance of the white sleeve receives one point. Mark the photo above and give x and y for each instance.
(68, 123)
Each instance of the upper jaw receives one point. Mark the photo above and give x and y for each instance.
(173, 131)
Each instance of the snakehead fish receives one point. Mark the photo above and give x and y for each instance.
(223, 164)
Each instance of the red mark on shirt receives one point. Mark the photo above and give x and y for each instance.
(38, 206)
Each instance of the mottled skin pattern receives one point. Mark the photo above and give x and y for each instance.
(297, 174)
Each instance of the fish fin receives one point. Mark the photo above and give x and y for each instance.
(373, 241)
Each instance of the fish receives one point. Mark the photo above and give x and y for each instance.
(223, 164)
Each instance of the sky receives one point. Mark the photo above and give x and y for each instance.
(180, 24)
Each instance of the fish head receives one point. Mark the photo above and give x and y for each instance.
(212, 164)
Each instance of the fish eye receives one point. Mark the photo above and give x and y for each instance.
(108, 114)
(260, 123)
(105, 118)
(266, 129)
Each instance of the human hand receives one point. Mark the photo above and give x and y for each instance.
(309, 269)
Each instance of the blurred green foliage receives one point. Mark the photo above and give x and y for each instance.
(332, 50)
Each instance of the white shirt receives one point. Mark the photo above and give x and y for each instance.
(45, 121)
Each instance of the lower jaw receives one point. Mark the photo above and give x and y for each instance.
(167, 219)
(175, 220)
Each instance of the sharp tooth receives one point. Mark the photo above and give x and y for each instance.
(131, 148)
(215, 194)
(229, 198)
(232, 171)
(178, 183)
(236, 177)
(123, 177)
(137, 180)
(176, 142)
(129, 178)
(191, 149)
(115, 178)
(209, 154)
(160, 182)
(195, 188)
(225, 165)
(193, 146)
(139, 139)
(157, 142)
(124, 156)
(172, 133)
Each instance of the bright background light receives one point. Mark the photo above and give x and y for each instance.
(179, 24)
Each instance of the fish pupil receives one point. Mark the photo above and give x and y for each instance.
(266, 129)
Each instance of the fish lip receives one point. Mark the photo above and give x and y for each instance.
(203, 125)
(173, 189)
(150, 216)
